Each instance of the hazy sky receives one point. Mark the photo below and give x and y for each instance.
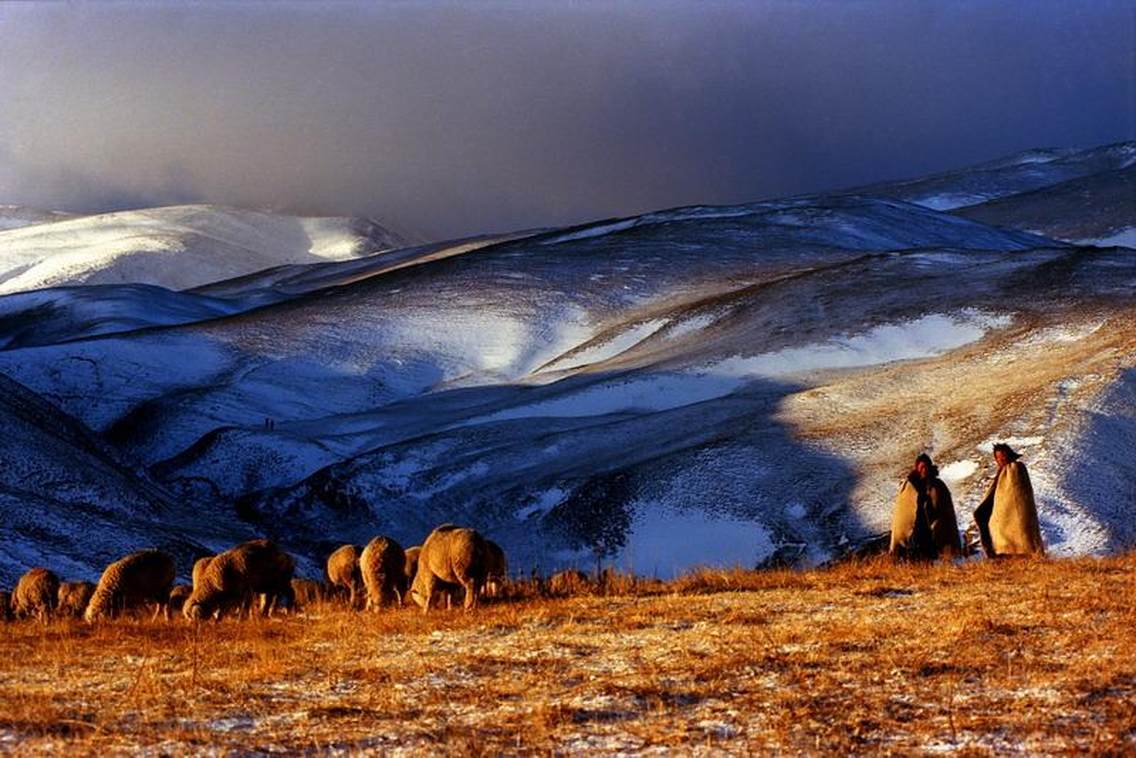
(446, 119)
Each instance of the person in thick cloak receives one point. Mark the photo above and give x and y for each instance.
(1007, 516)
(924, 526)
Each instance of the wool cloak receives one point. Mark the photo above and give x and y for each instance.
(923, 523)
(1007, 515)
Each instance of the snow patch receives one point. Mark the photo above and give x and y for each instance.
(665, 542)
(658, 392)
(921, 338)
(1122, 238)
(688, 326)
(545, 502)
(958, 471)
(613, 347)
(795, 511)
(1066, 333)
(949, 201)
(593, 231)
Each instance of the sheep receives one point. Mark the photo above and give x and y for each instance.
(73, 598)
(412, 563)
(307, 592)
(232, 579)
(412, 554)
(176, 601)
(283, 597)
(36, 594)
(343, 573)
(133, 581)
(568, 582)
(454, 555)
(5, 605)
(496, 569)
(199, 567)
(383, 566)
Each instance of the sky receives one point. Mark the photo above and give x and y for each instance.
(448, 119)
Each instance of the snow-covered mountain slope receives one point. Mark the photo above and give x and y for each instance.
(1015, 174)
(61, 314)
(1098, 209)
(16, 216)
(176, 247)
(70, 501)
(720, 385)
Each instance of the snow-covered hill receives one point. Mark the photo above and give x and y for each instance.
(1023, 172)
(16, 216)
(71, 501)
(700, 385)
(176, 247)
(1099, 209)
(703, 384)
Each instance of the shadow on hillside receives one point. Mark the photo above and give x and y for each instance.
(655, 471)
(1101, 476)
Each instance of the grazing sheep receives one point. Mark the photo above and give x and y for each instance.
(343, 573)
(131, 582)
(412, 563)
(450, 554)
(568, 582)
(496, 569)
(36, 594)
(412, 554)
(199, 567)
(283, 597)
(232, 579)
(73, 598)
(383, 566)
(176, 601)
(5, 605)
(307, 592)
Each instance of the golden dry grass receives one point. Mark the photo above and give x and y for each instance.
(1029, 656)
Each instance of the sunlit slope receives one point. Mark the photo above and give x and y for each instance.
(176, 247)
(63, 314)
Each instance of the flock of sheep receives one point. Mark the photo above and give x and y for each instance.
(451, 560)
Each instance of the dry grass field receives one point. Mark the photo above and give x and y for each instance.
(1017, 657)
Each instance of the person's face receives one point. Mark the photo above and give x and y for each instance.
(921, 469)
(1000, 458)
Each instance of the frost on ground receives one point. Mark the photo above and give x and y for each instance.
(1024, 658)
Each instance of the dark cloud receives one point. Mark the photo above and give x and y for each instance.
(450, 119)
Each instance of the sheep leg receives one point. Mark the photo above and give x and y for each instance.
(429, 582)
(471, 589)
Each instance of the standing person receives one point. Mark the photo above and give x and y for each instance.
(1007, 516)
(923, 524)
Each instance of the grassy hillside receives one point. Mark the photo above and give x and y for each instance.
(1033, 657)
